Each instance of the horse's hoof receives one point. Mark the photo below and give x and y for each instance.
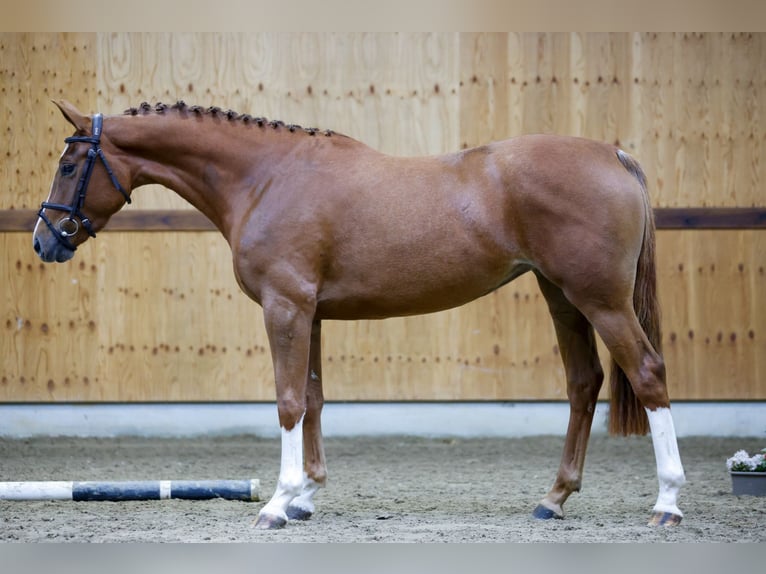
(270, 522)
(298, 513)
(664, 519)
(545, 513)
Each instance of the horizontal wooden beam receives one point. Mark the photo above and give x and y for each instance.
(127, 220)
(710, 217)
(191, 220)
(160, 220)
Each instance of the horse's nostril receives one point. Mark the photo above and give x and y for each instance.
(38, 247)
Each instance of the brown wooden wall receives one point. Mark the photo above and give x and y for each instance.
(153, 316)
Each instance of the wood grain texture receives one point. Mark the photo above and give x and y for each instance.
(712, 290)
(35, 68)
(157, 316)
(125, 322)
(689, 106)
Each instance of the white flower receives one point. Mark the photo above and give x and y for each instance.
(740, 458)
(743, 462)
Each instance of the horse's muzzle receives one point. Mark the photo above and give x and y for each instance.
(50, 250)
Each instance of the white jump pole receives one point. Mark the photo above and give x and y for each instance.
(245, 490)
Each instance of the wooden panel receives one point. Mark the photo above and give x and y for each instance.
(51, 327)
(704, 117)
(572, 84)
(158, 316)
(483, 89)
(695, 122)
(135, 317)
(345, 82)
(159, 329)
(35, 68)
(713, 292)
(690, 106)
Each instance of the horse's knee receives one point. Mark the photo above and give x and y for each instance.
(291, 410)
(592, 383)
(314, 399)
(583, 386)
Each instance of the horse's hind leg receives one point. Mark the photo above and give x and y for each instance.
(584, 375)
(302, 506)
(645, 369)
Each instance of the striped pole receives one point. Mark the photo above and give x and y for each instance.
(246, 490)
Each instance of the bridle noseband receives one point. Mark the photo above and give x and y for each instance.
(68, 226)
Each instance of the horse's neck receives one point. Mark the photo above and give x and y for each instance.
(201, 160)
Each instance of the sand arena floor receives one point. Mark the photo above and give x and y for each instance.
(399, 489)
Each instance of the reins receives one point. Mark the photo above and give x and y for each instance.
(68, 226)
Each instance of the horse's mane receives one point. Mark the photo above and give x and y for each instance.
(213, 111)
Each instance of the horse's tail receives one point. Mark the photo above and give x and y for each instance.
(626, 413)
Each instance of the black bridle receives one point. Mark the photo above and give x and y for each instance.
(68, 226)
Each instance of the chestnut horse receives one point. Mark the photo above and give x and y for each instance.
(323, 227)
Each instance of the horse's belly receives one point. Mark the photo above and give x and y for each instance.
(396, 291)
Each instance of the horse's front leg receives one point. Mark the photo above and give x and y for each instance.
(288, 325)
(302, 506)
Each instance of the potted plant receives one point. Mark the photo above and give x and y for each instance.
(748, 473)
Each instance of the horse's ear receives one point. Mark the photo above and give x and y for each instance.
(73, 115)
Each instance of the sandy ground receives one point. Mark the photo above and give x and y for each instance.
(398, 489)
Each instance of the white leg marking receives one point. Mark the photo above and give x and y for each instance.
(670, 471)
(305, 500)
(50, 192)
(37, 226)
(291, 476)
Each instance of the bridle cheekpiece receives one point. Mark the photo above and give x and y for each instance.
(68, 226)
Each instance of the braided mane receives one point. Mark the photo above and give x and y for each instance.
(213, 111)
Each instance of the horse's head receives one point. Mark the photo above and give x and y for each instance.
(85, 192)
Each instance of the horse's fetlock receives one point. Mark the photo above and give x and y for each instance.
(572, 483)
(672, 476)
(292, 483)
(317, 474)
(568, 481)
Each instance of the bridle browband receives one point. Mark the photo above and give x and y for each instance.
(68, 226)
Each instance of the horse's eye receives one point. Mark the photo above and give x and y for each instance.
(68, 169)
